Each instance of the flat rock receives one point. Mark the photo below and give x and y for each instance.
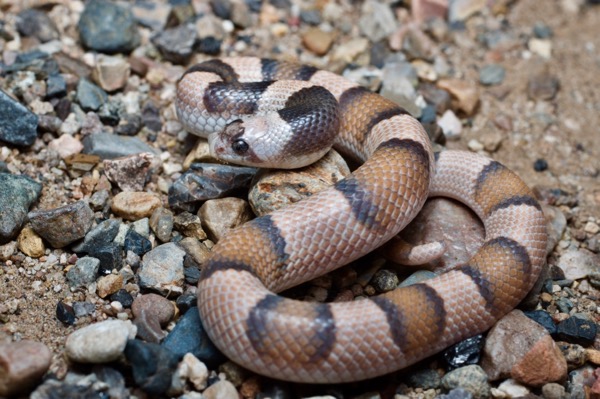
(99, 342)
(64, 225)
(18, 125)
(162, 269)
(110, 146)
(111, 72)
(578, 263)
(135, 205)
(132, 172)
(22, 365)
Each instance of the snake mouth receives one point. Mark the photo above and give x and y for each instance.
(213, 145)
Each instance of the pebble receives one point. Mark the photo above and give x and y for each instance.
(109, 284)
(461, 10)
(188, 336)
(553, 391)
(384, 280)
(194, 371)
(100, 342)
(18, 125)
(377, 20)
(578, 263)
(317, 40)
(84, 272)
(136, 243)
(151, 313)
(161, 223)
(111, 72)
(221, 390)
(471, 378)
(425, 379)
(152, 15)
(102, 234)
(189, 225)
(64, 225)
(30, 243)
(195, 249)
(399, 86)
(108, 27)
(540, 165)
(591, 227)
(275, 189)
(110, 146)
(129, 125)
(82, 309)
(36, 23)
(134, 205)
(110, 256)
(466, 93)
(22, 365)
(123, 297)
(466, 352)
(519, 348)
(66, 145)
(348, 51)
(89, 96)
(542, 86)
(541, 47)
(207, 181)
(427, 10)
(132, 172)
(451, 125)
(543, 318)
(219, 216)
(577, 330)
(65, 313)
(17, 193)
(153, 366)
(492, 74)
(512, 389)
(176, 44)
(162, 269)
(457, 393)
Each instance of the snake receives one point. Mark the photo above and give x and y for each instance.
(263, 112)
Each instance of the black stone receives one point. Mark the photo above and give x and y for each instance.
(577, 331)
(110, 256)
(310, 17)
(254, 5)
(176, 44)
(203, 181)
(543, 318)
(32, 22)
(108, 27)
(221, 8)
(123, 297)
(189, 336)
(151, 117)
(465, 352)
(129, 125)
(540, 165)
(103, 234)
(152, 366)
(56, 86)
(136, 243)
(186, 302)
(209, 45)
(18, 125)
(192, 275)
(65, 313)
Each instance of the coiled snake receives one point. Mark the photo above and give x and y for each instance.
(260, 112)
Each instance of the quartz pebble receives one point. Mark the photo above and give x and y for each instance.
(100, 342)
(162, 269)
(135, 205)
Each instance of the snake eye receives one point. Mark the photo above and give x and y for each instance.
(239, 146)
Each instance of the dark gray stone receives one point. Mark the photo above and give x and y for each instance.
(111, 146)
(104, 233)
(108, 27)
(90, 96)
(17, 193)
(64, 225)
(84, 272)
(82, 309)
(36, 23)
(492, 74)
(152, 366)
(18, 125)
(176, 44)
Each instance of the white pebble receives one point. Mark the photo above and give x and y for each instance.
(100, 342)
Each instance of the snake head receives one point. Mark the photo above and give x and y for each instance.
(236, 144)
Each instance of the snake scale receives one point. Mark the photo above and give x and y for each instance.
(235, 102)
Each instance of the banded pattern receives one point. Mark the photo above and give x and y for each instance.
(350, 341)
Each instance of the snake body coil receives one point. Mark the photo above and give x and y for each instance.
(347, 341)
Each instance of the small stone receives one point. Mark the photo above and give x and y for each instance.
(66, 145)
(90, 96)
(152, 312)
(457, 393)
(189, 225)
(151, 117)
(426, 10)
(109, 284)
(451, 125)
(83, 309)
(542, 87)
(512, 389)
(318, 41)
(100, 342)
(350, 50)
(578, 263)
(543, 363)
(64, 225)
(207, 181)
(221, 390)
(273, 190)
(222, 215)
(540, 165)
(18, 125)
(83, 272)
(108, 27)
(36, 23)
(467, 351)
(471, 378)
(30, 243)
(152, 15)
(134, 205)
(195, 249)
(110, 257)
(195, 371)
(475, 145)
(577, 330)
(543, 318)
(17, 193)
(123, 297)
(103, 234)
(541, 47)
(99, 200)
(465, 93)
(189, 336)
(492, 140)
(492, 74)
(65, 313)
(111, 72)
(130, 173)
(162, 269)
(136, 243)
(425, 379)
(161, 223)
(129, 125)
(110, 146)
(591, 227)
(461, 10)
(553, 391)
(377, 20)
(153, 366)
(384, 281)
(22, 365)
(176, 44)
